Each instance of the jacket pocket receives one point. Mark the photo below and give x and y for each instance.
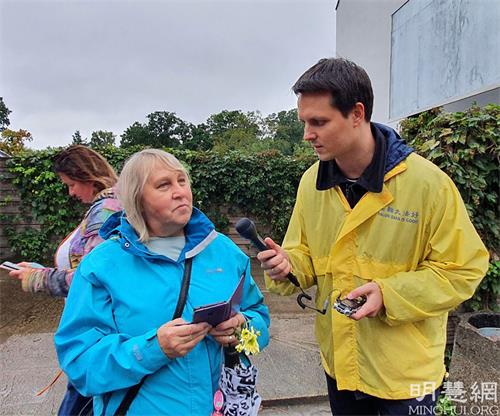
(429, 332)
(418, 335)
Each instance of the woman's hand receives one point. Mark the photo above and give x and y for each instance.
(23, 272)
(224, 332)
(178, 337)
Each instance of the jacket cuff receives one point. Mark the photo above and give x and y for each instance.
(25, 284)
(383, 314)
(148, 352)
(29, 283)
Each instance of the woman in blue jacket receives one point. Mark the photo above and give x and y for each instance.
(117, 326)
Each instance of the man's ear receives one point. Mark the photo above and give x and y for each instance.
(358, 114)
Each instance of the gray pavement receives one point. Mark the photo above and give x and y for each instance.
(291, 379)
(28, 364)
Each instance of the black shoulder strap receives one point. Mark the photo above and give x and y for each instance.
(184, 288)
(132, 392)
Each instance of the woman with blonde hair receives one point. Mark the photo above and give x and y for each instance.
(133, 330)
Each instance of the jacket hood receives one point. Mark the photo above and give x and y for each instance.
(199, 232)
(397, 149)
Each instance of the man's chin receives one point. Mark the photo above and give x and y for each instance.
(324, 157)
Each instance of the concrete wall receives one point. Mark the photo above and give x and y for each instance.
(443, 51)
(364, 36)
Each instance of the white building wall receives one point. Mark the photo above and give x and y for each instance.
(364, 36)
(443, 51)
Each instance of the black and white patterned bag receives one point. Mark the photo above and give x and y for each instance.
(238, 387)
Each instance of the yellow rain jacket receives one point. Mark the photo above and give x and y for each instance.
(415, 240)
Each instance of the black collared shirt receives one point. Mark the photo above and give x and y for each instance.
(371, 180)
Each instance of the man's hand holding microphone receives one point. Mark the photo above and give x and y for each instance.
(274, 260)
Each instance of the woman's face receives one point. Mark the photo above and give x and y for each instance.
(167, 202)
(84, 191)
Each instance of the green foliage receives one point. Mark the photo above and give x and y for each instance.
(163, 129)
(233, 130)
(285, 129)
(136, 134)
(4, 115)
(250, 133)
(448, 353)
(234, 140)
(445, 406)
(489, 290)
(466, 146)
(226, 121)
(252, 184)
(32, 244)
(199, 138)
(101, 138)
(45, 199)
(13, 142)
(222, 132)
(78, 139)
(116, 156)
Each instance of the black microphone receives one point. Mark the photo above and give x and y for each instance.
(246, 228)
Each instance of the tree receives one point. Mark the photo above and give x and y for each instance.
(4, 115)
(136, 134)
(101, 138)
(77, 138)
(13, 142)
(163, 129)
(168, 129)
(285, 129)
(199, 138)
(220, 123)
(235, 139)
(234, 130)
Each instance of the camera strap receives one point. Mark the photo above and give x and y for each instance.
(132, 392)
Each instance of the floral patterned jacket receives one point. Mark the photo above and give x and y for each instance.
(55, 281)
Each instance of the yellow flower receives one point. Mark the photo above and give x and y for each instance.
(248, 341)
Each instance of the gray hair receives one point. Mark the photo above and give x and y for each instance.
(133, 177)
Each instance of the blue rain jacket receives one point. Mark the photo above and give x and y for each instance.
(122, 293)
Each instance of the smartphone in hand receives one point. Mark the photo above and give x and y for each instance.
(7, 265)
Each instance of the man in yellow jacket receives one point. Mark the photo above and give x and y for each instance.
(373, 218)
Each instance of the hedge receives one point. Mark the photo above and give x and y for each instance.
(466, 146)
(262, 186)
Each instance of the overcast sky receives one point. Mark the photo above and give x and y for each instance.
(102, 65)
